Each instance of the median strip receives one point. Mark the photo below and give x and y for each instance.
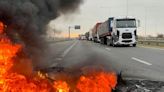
(141, 61)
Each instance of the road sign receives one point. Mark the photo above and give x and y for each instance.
(77, 26)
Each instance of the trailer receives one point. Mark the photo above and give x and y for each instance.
(95, 34)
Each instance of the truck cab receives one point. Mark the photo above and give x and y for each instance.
(124, 31)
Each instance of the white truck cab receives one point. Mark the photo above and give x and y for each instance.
(124, 31)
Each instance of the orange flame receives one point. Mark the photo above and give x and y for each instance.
(61, 86)
(12, 81)
(98, 82)
(1, 27)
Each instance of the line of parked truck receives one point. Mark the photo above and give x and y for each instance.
(115, 31)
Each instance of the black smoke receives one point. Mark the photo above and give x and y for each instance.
(26, 20)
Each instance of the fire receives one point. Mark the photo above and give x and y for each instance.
(11, 81)
(1, 27)
(61, 86)
(98, 82)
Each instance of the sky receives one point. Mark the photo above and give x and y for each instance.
(149, 12)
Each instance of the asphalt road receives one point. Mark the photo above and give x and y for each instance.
(133, 62)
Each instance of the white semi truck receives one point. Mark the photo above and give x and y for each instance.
(118, 31)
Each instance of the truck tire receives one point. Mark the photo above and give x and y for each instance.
(108, 43)
(105, 40)
(134, 45)
(101, 40)
(113, 43)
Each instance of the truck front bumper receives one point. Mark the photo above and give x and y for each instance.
(126, 42)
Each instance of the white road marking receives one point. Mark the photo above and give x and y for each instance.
(68, 49)
(56, 62)
(108, 49)
(141, 61)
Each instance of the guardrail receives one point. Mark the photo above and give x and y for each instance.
(152, 42)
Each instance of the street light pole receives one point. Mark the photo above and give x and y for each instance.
(69, 29)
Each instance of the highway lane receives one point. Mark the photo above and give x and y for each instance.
(53, 54)
(139, 62)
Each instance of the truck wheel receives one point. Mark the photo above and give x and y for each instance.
(101, 40)
(108, 42)
(113, 43)
(134, 45)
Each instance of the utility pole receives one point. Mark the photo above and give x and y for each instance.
(127, 8)
(145, 22)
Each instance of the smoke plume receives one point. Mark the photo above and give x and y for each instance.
(26, 20)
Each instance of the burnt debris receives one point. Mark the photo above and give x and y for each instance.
(140, 86)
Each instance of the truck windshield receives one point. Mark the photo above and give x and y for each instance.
(125, 23)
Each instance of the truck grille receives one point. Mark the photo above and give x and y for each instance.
(126, 35)
(127, 41)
